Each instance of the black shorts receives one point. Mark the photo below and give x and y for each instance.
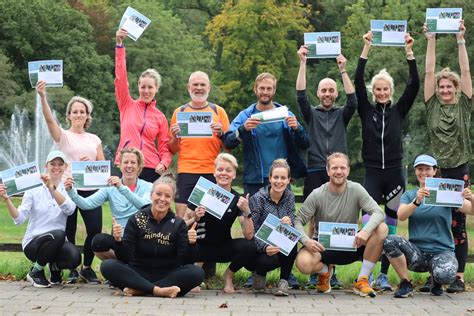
(342, 257)
(185, 184)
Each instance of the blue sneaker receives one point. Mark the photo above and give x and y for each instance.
(382, 283)
(249, 283)
(312, 282)
(405, 289)
(335, 283)
(293, 282)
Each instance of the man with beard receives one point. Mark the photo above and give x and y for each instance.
(327, 125)
(264, 143)
(196, 154)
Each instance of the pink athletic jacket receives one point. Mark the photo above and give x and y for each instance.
(140, 123)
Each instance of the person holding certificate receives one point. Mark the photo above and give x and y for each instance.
(430, 246)
(214, 240)
(340, 201)
(46, 208)
(125, 196)
(141, 123)
(276, 199)
(77, 145)
(382, 150)
(448, 99)
(151, 250)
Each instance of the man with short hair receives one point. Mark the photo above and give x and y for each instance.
(196, 154)
(340, 201)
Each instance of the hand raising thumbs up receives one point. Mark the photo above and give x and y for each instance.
(192, 234)
(116, 230)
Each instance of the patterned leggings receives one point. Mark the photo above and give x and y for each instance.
(442, 266)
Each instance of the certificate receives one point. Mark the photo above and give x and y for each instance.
(21, 178)
(388, 32)
(215, 199)
(194, 124)
(274, 233)
(90, 174)
(323, 44)
(337, 236)
(443, 20)
(50, 71)
(134, 23)
(273, 115)
(444, 192)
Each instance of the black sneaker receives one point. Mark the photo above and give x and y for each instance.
(89, 276)
(457, 286)
(436, 289)
(405, 289)
(56, 277)
(73, 277)
(335, 283)
(38, 279)
(427, 286)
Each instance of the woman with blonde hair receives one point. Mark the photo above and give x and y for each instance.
(382, 150)
(448, 100)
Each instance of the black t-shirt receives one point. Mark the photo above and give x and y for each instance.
(211, 230)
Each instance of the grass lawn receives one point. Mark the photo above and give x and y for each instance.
(17, 265)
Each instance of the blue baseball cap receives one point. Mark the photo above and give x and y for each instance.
(425, 160)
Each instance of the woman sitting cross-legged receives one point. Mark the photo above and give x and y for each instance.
(46, 208)
(150, 253)
(430, 246)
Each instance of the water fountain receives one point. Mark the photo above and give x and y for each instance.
(19, 145)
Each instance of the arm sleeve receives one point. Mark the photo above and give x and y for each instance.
(125, 249)
(91, 202)
(411, 89)
(256, 208)
(349, 108)
(303, 104)
(163, 138)
(68, 207)
(307, 210)
(368, 204)
(360, 88)
(236, 132)
(137, 201)
(181, 242)
(24, 210)
(122, 93)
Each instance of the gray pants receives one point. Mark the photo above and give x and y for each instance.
(442, 266)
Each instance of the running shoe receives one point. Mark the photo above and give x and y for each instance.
(324, 283)
(335, 283)
(363, 288)
(37, 278)
(312, 282)
(293, 282)
(259, 282)
(382, 283)
(436, 289)
(56, 277)
(457, 286)
(73, 277)
(426, 288)
(282, 289)
(88, 275)
(405, 289)
(249, 283)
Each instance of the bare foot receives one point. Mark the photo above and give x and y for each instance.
(132, 292)
(197, 289)
(170, 291)
(228, 284)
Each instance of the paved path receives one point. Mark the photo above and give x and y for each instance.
(20, 298)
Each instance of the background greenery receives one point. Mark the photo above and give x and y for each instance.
(231, 40)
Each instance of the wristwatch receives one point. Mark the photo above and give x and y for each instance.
(415, 202)
(247, 214)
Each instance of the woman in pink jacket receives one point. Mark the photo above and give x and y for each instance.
(142, 125)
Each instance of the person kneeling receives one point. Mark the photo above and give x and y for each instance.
(340, 201)
(430, 246)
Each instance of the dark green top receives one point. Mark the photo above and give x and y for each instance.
(448, 131)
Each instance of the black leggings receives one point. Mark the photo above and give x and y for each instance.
(122, 275)
(265, 263)
(103, 243)
(149, 174)
(239, 252)
(52, 247)
(93, 221)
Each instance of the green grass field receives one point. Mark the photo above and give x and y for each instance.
(16, 265)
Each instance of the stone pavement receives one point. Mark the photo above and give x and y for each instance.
(20, 298)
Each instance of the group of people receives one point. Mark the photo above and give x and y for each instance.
(152, 250)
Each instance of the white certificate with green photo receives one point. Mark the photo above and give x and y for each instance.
(50, 71)
(388, 32)
(337, 236)
(276, 114)
(215, 199)
(444, 192)
(443, 20)
(323, 44)
(21, 178)
(274, 233)
(134, 23)
(194, 124)
(90, 174)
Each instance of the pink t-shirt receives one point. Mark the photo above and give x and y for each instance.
(75, 146)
